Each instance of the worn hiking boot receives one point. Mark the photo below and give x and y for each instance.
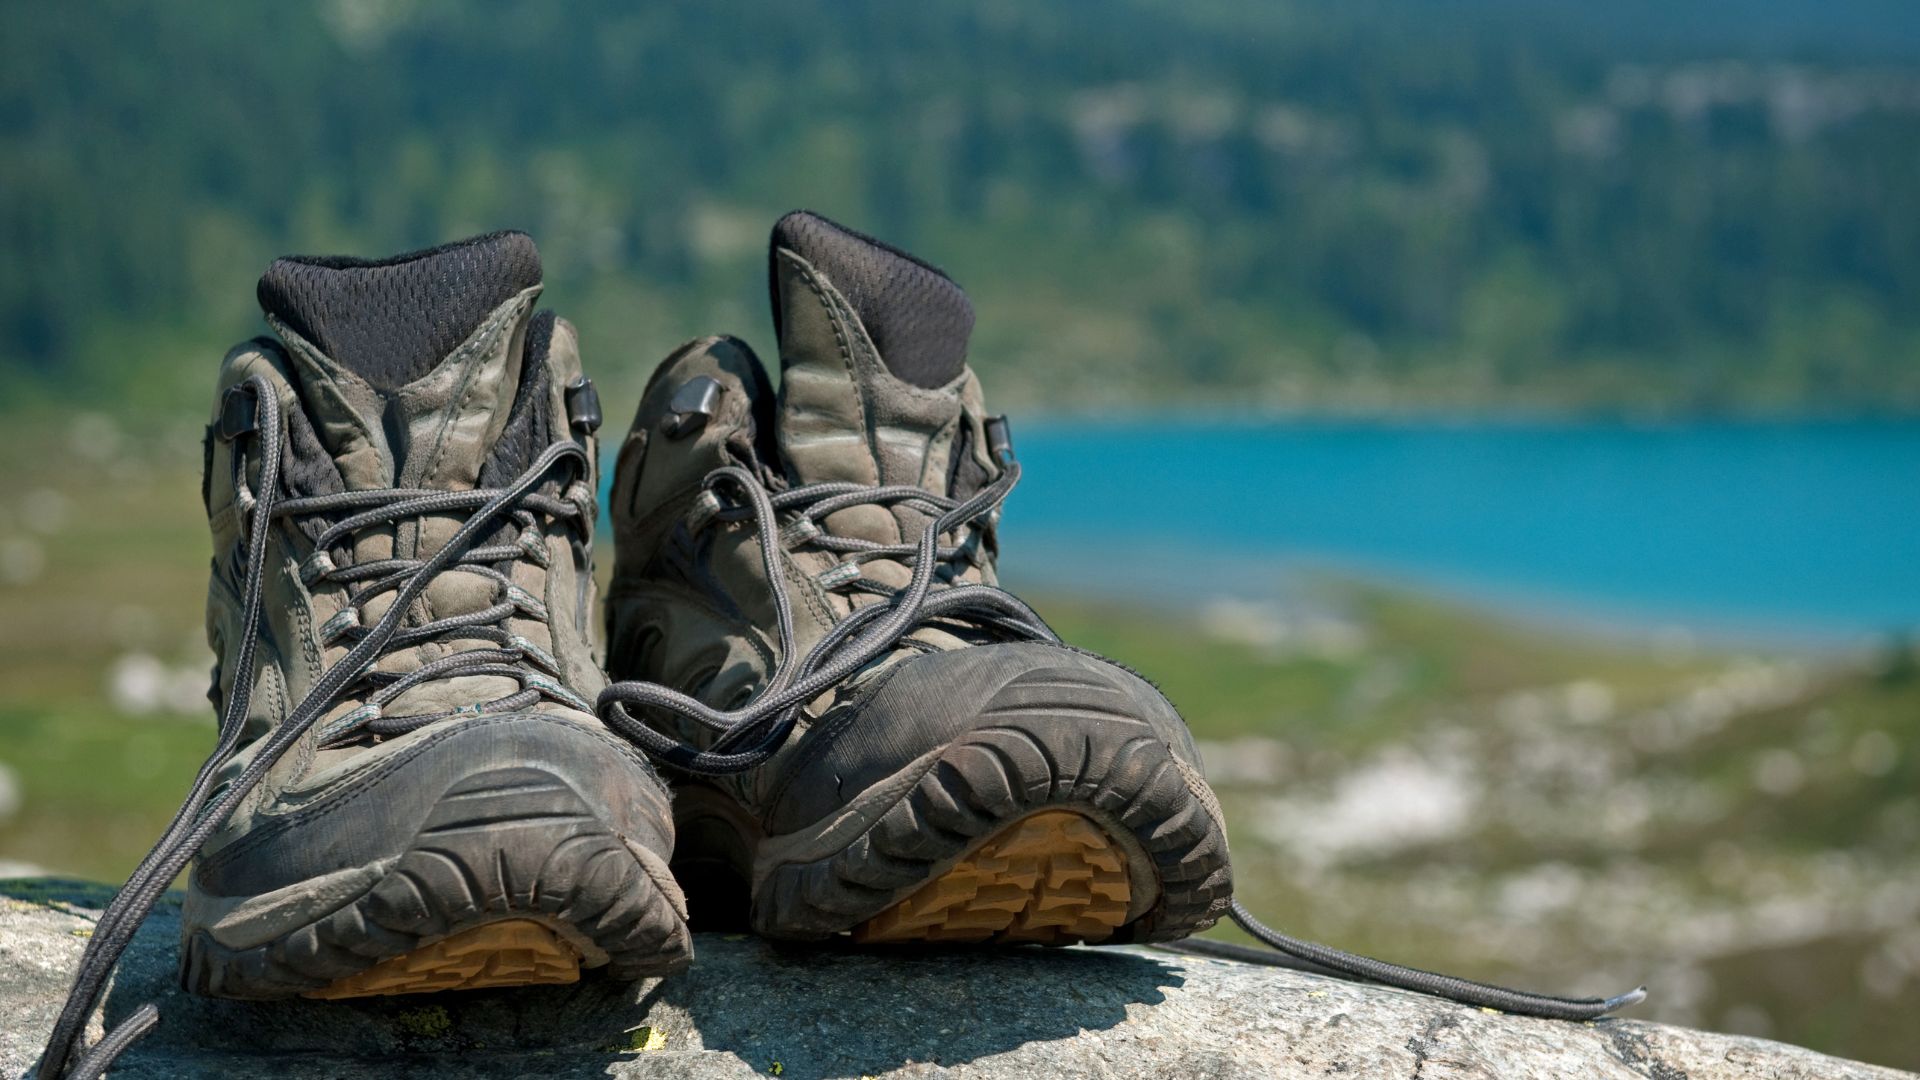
(869, 735)
(454, 816)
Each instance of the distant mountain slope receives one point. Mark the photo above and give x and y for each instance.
(1367, 205)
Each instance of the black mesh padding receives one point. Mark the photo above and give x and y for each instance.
(390, 321)
(529, 427)
(917, 317)
(308, 469)
(966, 476)
(306, 466)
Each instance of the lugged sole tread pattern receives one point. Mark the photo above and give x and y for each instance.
(506, 856)
(1052, 878)
(511, 952)
(993, 778)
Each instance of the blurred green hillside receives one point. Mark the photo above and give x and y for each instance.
(1371, 205)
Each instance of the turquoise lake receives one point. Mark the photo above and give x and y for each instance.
(1800, 529)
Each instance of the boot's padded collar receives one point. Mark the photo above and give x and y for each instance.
(390, 321)
(917, 317)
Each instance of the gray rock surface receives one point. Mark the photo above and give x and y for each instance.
(749, 1008)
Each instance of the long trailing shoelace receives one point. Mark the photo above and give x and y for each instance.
(205, 810)
(750, 734)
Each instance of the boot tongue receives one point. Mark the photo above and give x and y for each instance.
(873, 347)
(425, 370)
(407, 365)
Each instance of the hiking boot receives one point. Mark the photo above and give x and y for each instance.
(457, 817)
(868, 736)
(410, 791)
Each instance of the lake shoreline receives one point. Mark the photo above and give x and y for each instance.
(1797, 533)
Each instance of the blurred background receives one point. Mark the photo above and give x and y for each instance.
(1501, 417)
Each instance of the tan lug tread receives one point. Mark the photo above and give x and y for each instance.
(1051, 878)
(511, 952)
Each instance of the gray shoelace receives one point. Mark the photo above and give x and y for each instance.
(751, 734)
(200, 815)
(1450, 987)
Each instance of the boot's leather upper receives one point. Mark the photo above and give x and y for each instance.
(874, 392)
(429, 372)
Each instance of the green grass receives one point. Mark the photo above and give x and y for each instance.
(1419, 652)
(123, 553)
(95, 788)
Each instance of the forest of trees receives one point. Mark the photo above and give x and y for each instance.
(1378, 205)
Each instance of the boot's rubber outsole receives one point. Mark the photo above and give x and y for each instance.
(511, 952)
(1043, 832)
(511, 881)
(1053, 878)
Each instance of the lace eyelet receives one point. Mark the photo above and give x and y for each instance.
(238, 411)
(694, 403)
(583, 406)
(706, 506)
(555, 690)
(529, 604)
(350, 721)
(534, 543)
(845, 573)
(798, 531)
(316, 566)
(347, 618)
(539, 655)
(582, 497)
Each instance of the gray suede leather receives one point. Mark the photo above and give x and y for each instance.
(928, 701)
(377, 811)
